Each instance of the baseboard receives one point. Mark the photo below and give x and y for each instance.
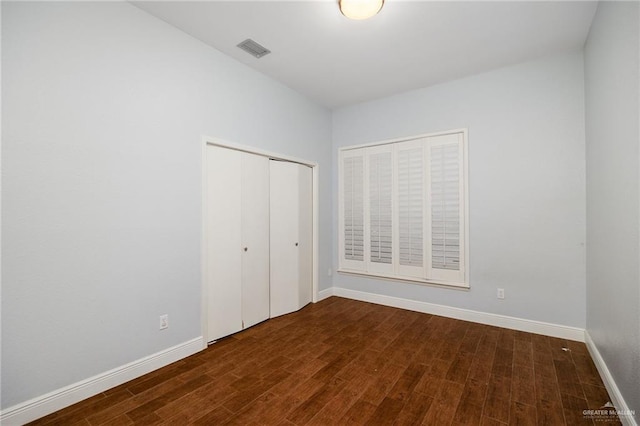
(53, 401)
(531, 326)
(323, 294)
(617, 399)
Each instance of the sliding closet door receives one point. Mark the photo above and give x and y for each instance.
(291, 238)
(305, 235)
(284, 237)
(255, 239)
(259, 239)
(224, 240)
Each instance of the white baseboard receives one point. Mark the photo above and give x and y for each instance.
(531, 326)
(53, 401)
(323, 294)
(609, 383)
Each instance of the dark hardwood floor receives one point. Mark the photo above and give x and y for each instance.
(343, 362)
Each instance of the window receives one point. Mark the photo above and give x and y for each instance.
(402, 209)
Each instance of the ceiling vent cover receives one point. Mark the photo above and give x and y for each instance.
(254, 48)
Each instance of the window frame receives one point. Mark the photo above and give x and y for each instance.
(360, 267)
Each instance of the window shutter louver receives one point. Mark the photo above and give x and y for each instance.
(410, 205)
(353, 204)
(446, 206)
(380, 202)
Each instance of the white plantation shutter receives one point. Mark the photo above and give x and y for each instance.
(380, 184)
(411, 217)
(353, 209)
(352, 215)
(446, 207)
(402, 209)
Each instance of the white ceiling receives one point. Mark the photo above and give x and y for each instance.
(409, 44)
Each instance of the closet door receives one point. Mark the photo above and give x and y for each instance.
(224, 240)
(291, 238)
(255, 239)
(305, 235)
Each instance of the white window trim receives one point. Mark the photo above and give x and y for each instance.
(350, 268)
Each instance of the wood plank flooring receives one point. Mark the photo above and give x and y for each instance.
(343, 362)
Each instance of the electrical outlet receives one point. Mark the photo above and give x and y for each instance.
(501, 293)
(164, 321)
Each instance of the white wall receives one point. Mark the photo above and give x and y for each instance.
(103, 110)
(527, 184)
(612, 88)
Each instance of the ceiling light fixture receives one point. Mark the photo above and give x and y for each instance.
(360, 9)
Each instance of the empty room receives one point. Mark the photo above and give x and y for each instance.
(331, 212)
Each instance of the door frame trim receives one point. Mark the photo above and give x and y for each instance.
(208, 140)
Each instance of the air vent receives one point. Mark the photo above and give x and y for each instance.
(253, 48)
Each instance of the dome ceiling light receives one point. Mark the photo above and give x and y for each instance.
(360, 9)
